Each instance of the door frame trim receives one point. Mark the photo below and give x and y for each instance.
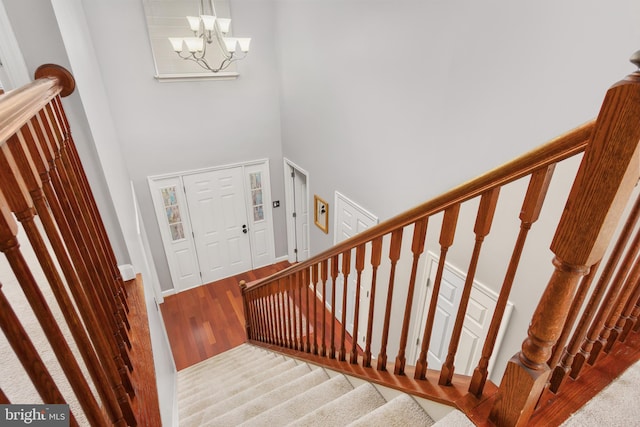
(288, 197)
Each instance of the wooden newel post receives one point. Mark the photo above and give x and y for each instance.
(609, 170)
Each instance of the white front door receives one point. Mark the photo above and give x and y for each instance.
(260, 224)
(351, 219)
(215, 222)
(219, 220)
(175, 229)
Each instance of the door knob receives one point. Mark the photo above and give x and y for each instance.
(245, 229)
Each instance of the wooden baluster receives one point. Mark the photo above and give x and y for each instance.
(14, 161)
(90, 305)
(9, 245)
(630, 315)
(271, 306)
(394, 256)
(300, 283)
(360, 253)
(273, 314)
(71, 205)
(376, 257)
(346, 269)
(264, 337)
(324, 274)
(91, 203)
(594, 336)
(4, 400)
(268, 306)
(255, 317)
(334, 277)
(613, 325)
(297, 320)
(288, 303)
(306, 294)
(529, 214)
(314, 278)
(560, 350)
(608, 172)
(259, 314)
(245, 308)
(280, 313)
(27, 353)
(417, 247)
(570, 359)
(275, 304)
(488, 202)
(447, 234)
(82, 198)
(636, 313)
(70, 172)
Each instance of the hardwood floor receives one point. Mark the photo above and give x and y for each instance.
(208, 320)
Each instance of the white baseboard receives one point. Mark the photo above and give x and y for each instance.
(127, 272)
(168, 293)
(282, 258)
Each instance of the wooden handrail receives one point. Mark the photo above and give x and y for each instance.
(20, 105)
(556, 150)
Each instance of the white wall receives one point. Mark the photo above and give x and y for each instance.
(171, 127)
(392, 102)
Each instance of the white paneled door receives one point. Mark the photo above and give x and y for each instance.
(215, 223)
(351, 219)
(219, 220)
(482, 303)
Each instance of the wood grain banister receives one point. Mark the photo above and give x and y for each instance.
(18, 106)
(602, 188)
(556, 150)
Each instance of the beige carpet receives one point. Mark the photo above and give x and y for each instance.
(14, 380)
(615, 406)
(282, 391)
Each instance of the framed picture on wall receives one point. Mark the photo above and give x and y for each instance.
(321, 213)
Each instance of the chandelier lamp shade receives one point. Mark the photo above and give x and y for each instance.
(210, 31)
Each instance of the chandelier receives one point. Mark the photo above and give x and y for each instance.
(208, 29)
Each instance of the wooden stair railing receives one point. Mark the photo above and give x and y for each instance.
(276, 316)
(608, 172)
(41, 177)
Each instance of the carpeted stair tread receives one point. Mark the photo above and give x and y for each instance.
(400, 411)
(218, 392)
(223, 366)
(454, 418)
(348, 408)
(242, 351)
(242, 373)
(215, 409)
(263, 403)
(302, 404)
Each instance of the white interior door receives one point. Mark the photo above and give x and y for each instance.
(351, 219)
(297, 211)
(482, 302)
(175, 229)
(219, 220)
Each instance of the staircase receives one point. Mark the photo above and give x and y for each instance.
(250, 386)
